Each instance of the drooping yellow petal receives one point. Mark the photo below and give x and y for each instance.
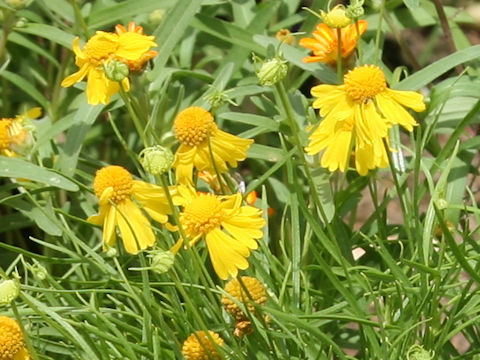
(77, 76)
(135, 228)
(337, 154)
(109, 224)
(410, 99)
(226, 254)
(183, 163)
(99, 88)
(395, 113)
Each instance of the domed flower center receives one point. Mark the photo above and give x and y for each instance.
(5, 139)
(193, 125)
(11, 338)
(364, 83)
(115, 177)
(202, 215)
(199, 346)
(101, 47)
(256, 291)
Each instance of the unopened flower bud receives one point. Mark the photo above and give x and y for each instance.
(9, 290)
(272, 71)
(416, 352)
(111, 252)
(355, 9)
(336, 18)
(156, 160)
(116, 70)
(156, 16)
(39, 271)
(162, 261)
(442, 204)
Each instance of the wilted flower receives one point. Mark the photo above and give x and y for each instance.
(324, 43)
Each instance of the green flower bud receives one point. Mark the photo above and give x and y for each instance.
(442, 204)
(272, 71)
(162, 261)
(416, 352)
(336, 18)
(9, 291)
(156, 16)
(116, 70)
(355, 9)
(111, 252)
(217, 98)
(39, 271)
(156, 160)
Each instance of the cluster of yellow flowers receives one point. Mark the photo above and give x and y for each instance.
(358, 113)
(356, 118)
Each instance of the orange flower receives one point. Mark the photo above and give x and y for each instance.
(138, 64)
(324, 43)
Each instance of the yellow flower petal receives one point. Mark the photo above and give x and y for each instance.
(135, 228)
(227, 255)
(131, 45)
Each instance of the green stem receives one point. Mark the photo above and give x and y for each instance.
(401, 196)
(79, 18)
(287, 107)
(136, 120)
(378, 35)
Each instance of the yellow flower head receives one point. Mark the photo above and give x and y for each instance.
(336, 18)
(200, 140)
(359, 113)
(199, 346)
(256, 295)
(14, 136)
(12, 342)
(118, 195)
(130, 47)
(230, 229)
(324, 43)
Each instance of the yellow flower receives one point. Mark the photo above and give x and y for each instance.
(200, 139)
(14, 136)
(359, 113)
(324, 43)
(118, 196)
(199, 346)
(103, 48)
(12, 342)
(230, 229)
